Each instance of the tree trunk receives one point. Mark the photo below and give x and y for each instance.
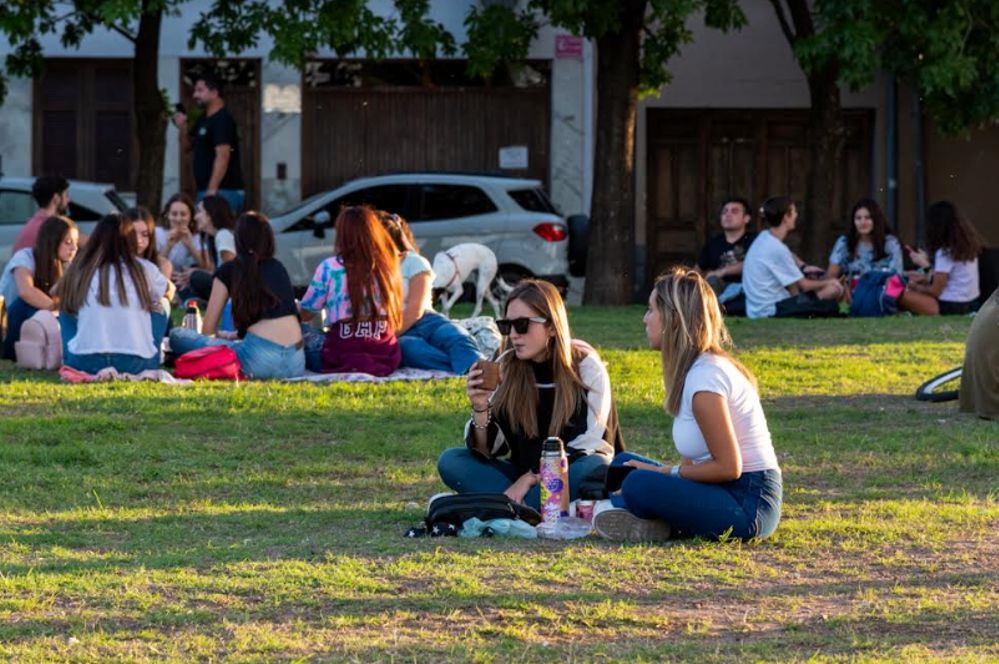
(150, 115)
(610, 262)
(827, 136)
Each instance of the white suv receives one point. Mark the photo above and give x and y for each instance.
(511, 216)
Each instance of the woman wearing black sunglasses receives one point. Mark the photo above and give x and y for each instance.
(551, 385)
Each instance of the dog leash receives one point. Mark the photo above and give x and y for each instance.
(457, 272)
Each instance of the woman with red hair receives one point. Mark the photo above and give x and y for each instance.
(360, 288)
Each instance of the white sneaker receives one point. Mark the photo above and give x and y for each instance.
(621, 525)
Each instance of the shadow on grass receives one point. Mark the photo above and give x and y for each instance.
(817, 615)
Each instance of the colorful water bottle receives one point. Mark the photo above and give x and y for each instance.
(192, 318)
(554, 469)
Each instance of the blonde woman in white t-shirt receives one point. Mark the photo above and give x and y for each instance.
(727, 482)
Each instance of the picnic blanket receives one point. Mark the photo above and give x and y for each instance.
(404, 373)
(71, 375)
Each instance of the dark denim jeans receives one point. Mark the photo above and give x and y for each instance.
(748, 507)
(467, 472)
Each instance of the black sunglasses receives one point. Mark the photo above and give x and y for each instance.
(518, 324)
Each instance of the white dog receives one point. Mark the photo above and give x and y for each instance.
(455, 266)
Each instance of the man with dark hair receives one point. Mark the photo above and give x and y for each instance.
(51, 192)
(721, 259)
(214, 143)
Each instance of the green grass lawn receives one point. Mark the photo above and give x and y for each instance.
(263, 521)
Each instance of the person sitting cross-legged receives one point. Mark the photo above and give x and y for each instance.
(728, 482)
(550, 385)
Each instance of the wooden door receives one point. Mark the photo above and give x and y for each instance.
(697, 158)
(83, 121)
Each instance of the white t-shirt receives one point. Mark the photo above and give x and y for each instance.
(768, 270)
(412, 265)
(712, 373)
(224, 241)
(8, 284)
(962, 278)
(118, 329)
(179, 256)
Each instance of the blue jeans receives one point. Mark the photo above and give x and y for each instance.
(436, 342)
(18, 311)
(258, 357)
(749, 506)
(91, 363)
(466, 471)
(234, 197)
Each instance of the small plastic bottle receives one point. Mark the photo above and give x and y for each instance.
(554, 470)
(192, 318)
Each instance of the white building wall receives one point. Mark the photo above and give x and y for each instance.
(15, 128)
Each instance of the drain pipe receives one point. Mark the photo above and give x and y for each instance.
(918, 172)
(891, 154)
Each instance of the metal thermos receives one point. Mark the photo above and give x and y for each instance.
(554, 470)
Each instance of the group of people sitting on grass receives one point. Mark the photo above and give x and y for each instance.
(113, 295)
(757, 274)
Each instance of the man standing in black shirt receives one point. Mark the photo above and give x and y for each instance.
(214, 143)
(722, 257)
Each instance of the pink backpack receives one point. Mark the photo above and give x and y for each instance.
(210, 362)
(40, 346)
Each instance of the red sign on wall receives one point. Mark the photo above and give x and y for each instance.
(568, 46)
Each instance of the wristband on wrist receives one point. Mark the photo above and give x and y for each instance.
(675, 471)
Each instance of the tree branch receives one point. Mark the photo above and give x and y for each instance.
(785, 27)
(121, 31)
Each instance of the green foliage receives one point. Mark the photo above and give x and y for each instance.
(300, 28)
(25, 22)
(500, 34)
(947, 51)
(497, 34)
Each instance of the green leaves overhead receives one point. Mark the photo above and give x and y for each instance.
(948, 51)
(301, 28)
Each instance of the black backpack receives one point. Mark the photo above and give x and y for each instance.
(447, 514)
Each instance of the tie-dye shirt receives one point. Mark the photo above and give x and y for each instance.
(328, 289)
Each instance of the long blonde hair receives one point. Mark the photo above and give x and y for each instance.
(691, 324)
(516, 398)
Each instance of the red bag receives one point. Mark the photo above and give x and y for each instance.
(210, 363)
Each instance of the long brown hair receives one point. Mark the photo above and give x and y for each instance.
(399, 230)
(947, 230)
(112, 243)
(516, 398)
(184, 200)
(372, 264)
(250, 294)
(48, 267)
(691, 324)
(140, 215)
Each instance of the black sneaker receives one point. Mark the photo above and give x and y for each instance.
(621, 525)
